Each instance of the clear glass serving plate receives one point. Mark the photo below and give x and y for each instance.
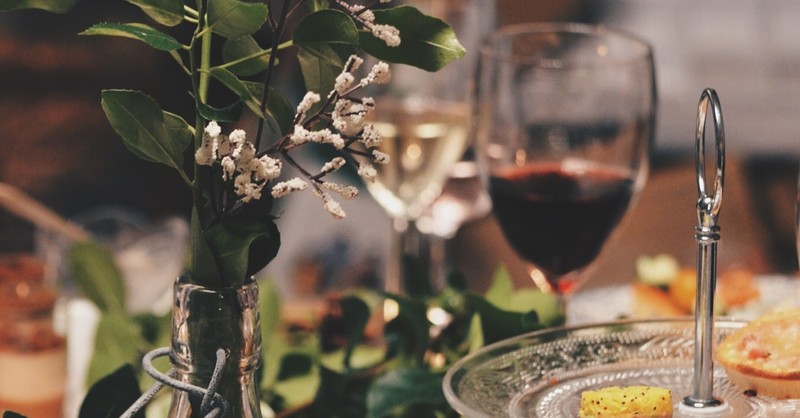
(542, 374)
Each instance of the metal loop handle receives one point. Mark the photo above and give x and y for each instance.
(708, 206)
(707, 235)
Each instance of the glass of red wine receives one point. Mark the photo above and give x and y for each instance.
(564, 117)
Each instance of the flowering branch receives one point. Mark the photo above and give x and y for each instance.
(249, 171)
(233, 232)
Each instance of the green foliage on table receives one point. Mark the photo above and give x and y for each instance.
(396, 376)
(112, 395)
(94, 271)
(333, 369)
(120, 338)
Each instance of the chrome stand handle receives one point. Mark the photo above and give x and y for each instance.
(707, 235)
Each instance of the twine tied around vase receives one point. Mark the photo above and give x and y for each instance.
(212, 405)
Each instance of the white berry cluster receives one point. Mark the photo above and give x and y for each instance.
(365, 16)
(345, 117)
(238, 160)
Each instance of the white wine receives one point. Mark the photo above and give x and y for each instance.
(424, 142)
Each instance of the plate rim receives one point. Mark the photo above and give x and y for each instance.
(468, 411)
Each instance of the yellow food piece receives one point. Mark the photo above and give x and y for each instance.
(629, 401)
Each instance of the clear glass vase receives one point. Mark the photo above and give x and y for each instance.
(204, 320)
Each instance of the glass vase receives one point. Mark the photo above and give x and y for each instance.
(204, 320)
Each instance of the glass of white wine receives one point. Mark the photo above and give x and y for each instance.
(423, 119)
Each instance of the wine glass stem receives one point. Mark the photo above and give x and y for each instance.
(564, 285)
(406, 239)
(437, 257)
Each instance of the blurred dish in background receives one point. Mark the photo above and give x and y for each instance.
(149, 253)
(33, 356)
(605, 303)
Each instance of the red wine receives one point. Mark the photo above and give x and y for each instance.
(559, 218)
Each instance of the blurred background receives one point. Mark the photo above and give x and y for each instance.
(58, 147)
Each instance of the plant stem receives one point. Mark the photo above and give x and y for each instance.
(205, 65)
(276, 39)
(284, 45)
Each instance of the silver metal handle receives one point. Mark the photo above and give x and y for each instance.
(707, 235)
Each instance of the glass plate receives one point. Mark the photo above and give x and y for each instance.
(542, 374)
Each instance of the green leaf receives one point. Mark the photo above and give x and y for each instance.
(233, 18)
(269, 308)
(56, 6)
(427, 42)
(295, 364)
(498, 324)
(269, 303)
(298, 390)
(545, 304)
(325, 40)
(9, 414)
(475, 334)
(402, 388)
(242, 247)
(408, 334)
(241, 48)
(230, 113)
(279, 111)
(355, 315)
(166, 12)
(139, 31)
(341, 394)
(502, 295)
(112, 395)
(146, 130)
(317, 5)
(117, 342)
(239, 88)
(204, 268)
(502, 287)
(363, 357)
(155, 329)
(93, 269)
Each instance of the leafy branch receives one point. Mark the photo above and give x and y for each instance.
(325, 37)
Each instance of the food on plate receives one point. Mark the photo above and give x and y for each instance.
(658, 270)
(651, 302)
(628, 401)
(764, 357)
(666, 289)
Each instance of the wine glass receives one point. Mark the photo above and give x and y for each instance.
(463, 199)
(564, 117)
(423, 119)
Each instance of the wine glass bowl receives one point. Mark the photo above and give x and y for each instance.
(564, 117)
(423, 118)
(424, 139)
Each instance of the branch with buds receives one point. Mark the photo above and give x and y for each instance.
(343, 119)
